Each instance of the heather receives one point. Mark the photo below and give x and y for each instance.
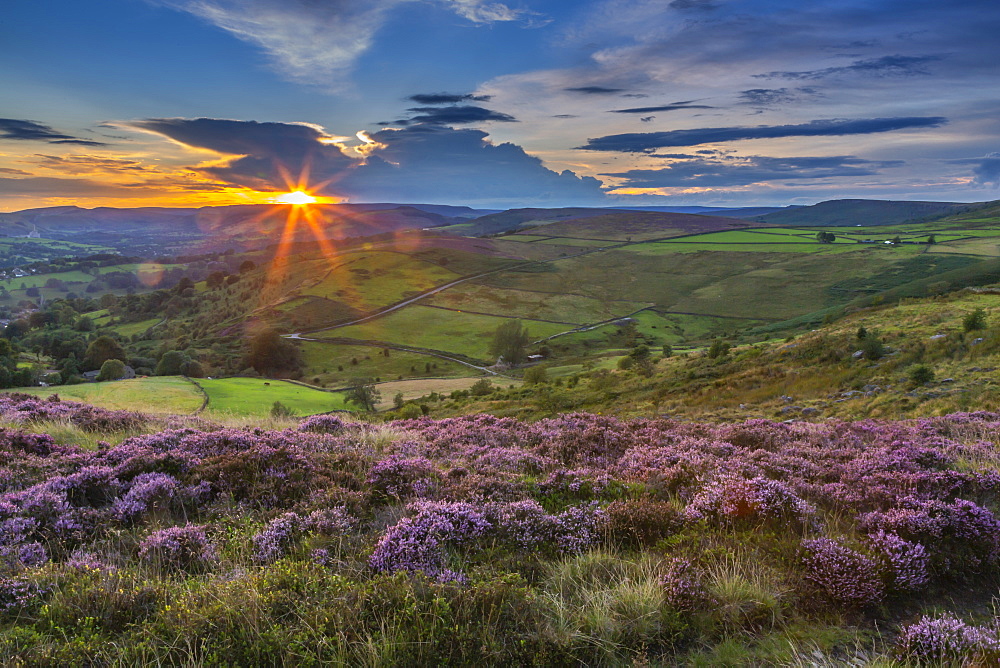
(575, 540)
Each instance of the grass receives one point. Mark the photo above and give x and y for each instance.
(568, 308)
(437, 329)
(160, 395)
(337, 365)
(420, 387)
(256, 396)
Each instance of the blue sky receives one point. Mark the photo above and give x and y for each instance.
(524, 103)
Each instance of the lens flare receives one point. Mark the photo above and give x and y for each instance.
(298, 198)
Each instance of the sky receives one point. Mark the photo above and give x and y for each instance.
(498, 104)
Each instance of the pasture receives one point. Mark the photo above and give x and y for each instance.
(162, 395)
(338, 365)
(256, 396)
(438, 329)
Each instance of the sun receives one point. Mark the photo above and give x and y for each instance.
(297, 198)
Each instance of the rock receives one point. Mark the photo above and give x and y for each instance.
(937, 336)
(977, 341)
(787, 399)
(858, 354)
(871, 388)
(790, 409)
(947, 380)
(810, 411)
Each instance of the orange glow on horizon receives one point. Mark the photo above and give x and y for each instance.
(296, 198)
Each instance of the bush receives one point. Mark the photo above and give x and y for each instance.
(873, 348)
(280, 410)
(921, 374)
(642, 522)
(183, 548)
(843, 575)
(975, 320)
(112, 370)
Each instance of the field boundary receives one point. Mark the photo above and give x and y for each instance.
(206, 399)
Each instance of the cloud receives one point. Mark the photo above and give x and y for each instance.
(886, 66)
(770, 97)
(694, 5)
(637, 142)
(44, 186)
(447, 98)
(667, 107)
(420, 163)
(11, 170)
(988, 170)
(594, 90)
(728, 171)
(318, 41)
(13, 128)
(87, 163)
(457, 115)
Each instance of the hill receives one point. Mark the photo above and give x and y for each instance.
(862, 212)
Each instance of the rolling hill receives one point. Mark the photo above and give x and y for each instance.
(862, 212)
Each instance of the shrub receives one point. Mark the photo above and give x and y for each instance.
(182, 548)
(921, 374)
(974, 321)
(642, 522)
(946, 640)
(733, 499)
(843, 575)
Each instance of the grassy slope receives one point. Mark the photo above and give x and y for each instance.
(256, 396)
(160, 395)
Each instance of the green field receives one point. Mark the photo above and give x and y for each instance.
(256, 396)
(162, 395)
(338, 365)
(438, 329)
(559, 307)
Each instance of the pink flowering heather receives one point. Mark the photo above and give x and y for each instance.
(277, 538)
(842, 574)
(681, 586)
(947, 640)
(181, 548)
(733, 499)
(904, 564)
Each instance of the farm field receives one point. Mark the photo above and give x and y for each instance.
(436, 329)
(338, 365)
(372, 280)
(558, 307)
(421, 387)
(256, 396)
(163, 395)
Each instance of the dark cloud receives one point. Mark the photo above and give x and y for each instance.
(594, 90)
(694, 5)
(886, 66)
(85, 163)
(565, 116)
(739, 171)
(456, 115)
(647, 119)
(986, 171)
(638, 142)
(11, 170)
(419, 163)
(674, 106)
(43, 186)
(770, 97)
(13, 128)
(271, 153)
(447, 98)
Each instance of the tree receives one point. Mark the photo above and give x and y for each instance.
(975, 320)
(102, 349)
(269, 353)
(481, 387)
(112, 370)
(862, 333)
(247, 265)
(931, 239)
(397, 401)
(510, 341)
(171, 363)
(364, 395)
(668, 351)
(536, 375)
(826, 237)
(896, 241)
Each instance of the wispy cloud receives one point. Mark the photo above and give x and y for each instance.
(886, 66)
(448, 98)
(452, 115)
(23, 130)
(318, 41)
(638, 142)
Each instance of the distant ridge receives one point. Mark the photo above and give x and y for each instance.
(863, 212)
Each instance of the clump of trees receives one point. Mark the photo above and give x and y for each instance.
(510, 341)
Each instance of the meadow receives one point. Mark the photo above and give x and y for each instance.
(256, 396)
(575, 540)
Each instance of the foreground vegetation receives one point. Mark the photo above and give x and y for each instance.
(575, 540)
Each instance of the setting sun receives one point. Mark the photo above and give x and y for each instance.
(298, 198)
